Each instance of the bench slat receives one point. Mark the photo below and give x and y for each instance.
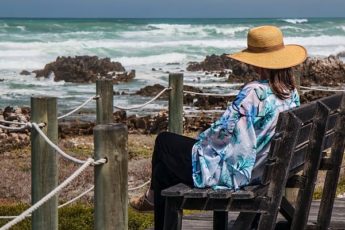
(333, 102)
(177, 190)
(197, 193)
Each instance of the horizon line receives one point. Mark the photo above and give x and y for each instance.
(285, 17)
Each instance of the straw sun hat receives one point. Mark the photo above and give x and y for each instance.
(266, 49)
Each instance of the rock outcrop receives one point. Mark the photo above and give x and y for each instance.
(85, 69)
(25, 72)
(329, 71)
(11, 139)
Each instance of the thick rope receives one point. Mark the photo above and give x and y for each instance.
(209, 94)
(81, 195)
(13, 122)
(320, 89)
(15, 128)
(39, 203)
(54, 146)
(78, 108)
(140, 186)
(143, 105)
(77, 197)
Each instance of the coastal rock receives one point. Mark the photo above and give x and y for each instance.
(85, 69)
(14, 139)
(212, 63)
(329, 71)
(314, 95)
(25, 72)
(340, 54)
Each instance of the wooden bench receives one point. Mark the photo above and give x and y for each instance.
(296, 154)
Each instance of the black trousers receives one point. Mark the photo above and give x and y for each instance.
(171, 164)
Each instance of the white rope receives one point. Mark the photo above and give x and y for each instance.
(54, 146)
(321, 89)
(208, 94)
(15, 128)
(82, 194)
(27, 212)
(140, 106)
(78, 108)
(78, 197)
(13, 122)
(140, 186)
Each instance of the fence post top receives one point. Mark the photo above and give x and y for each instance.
(103, 79)
(42, 97)
(175, 74)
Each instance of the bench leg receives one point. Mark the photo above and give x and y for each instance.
(220, 220)
(245, 221)
(173, 214)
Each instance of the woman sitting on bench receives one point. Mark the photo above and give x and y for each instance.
(231, 153)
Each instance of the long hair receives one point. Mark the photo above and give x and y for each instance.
(282, 82)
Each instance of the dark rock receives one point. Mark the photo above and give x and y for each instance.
(313, 95)
(328, 71)
(84, 69)
(173, 63)
(212, 63)
(25, 72)
(340, 54)
(153, 69)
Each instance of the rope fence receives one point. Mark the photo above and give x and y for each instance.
(146, 103)
(10, 128)
(209, 94)
(13, 122)
(322, 89)
(55, 191)
(79, 107)
(54, 146)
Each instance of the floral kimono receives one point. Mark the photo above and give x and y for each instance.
(232, 152)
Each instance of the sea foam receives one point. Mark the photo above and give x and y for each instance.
(295, 20)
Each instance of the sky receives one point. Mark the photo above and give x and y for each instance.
(172, 8)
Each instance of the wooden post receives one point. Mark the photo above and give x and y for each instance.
(291, 193)
(44, 176)
(105, 102)
(111, 190)
(176, 103)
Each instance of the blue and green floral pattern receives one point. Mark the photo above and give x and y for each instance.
(226, 154)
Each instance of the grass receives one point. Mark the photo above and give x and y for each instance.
(340, 189)
(75, 217)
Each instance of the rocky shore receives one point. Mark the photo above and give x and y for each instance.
(328, 71)
(84, 69)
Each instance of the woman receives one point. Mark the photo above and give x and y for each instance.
(232, 152)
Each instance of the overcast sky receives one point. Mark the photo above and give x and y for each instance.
(172, 8)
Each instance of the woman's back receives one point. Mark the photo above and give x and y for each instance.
(227, 152)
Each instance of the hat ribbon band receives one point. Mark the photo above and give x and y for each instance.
(265, 49)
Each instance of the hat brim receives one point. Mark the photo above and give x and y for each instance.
(289, 56)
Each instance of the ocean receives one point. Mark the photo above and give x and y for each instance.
(141, 44)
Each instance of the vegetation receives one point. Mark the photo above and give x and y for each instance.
(75, 217)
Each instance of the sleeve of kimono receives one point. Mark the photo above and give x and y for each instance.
(240, 154)
(220, 144)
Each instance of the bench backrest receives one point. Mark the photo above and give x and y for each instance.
(298, 131)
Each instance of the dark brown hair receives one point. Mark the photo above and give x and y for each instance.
(282, 82)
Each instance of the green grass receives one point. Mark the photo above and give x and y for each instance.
(75, 217)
